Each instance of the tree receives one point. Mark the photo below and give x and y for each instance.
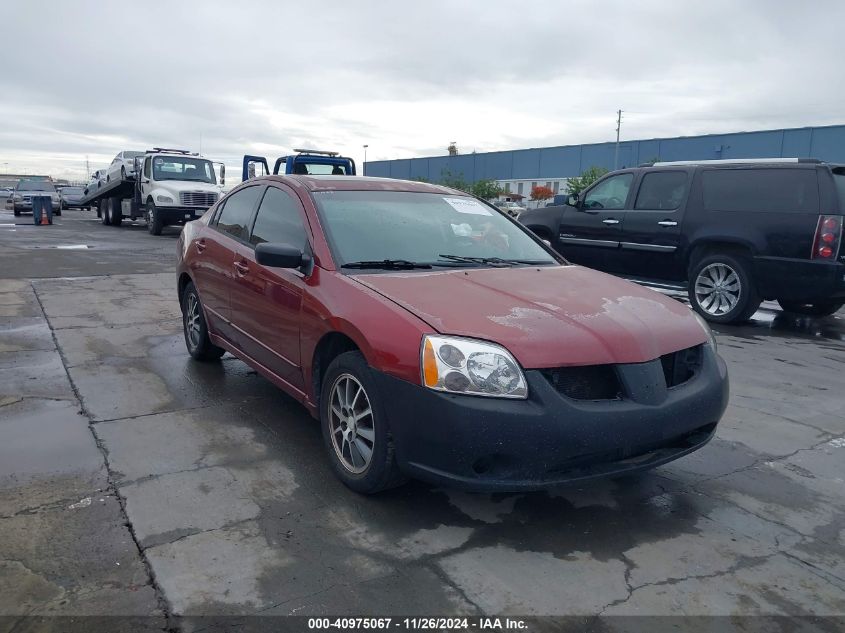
(486, 189)
(579, 183)
(455, 181)
(541, 192)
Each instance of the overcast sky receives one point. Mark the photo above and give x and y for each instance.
(405, 77)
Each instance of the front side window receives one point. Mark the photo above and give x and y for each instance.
(237, 211)
(279, 220)
(427, 228)
(183, 168)
(662, 190)
(770, 189)
(611, 193)
(147, 167)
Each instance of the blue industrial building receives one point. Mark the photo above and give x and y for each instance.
(824, 142)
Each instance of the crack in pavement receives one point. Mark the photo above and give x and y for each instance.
(161, 598)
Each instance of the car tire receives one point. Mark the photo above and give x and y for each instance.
(721, 288)
(115, 211)
(349, 378)
(105, 217)
(154, 223)
(122, 173)
(195, 329)
(816, 308)
(17, 213)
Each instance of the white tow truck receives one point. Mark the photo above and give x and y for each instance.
(169, 186)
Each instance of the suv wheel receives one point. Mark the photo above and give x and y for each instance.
(154, 223)
(195, 329)
(721, 289)
(817, 308)
(105, 216)
(355, 430)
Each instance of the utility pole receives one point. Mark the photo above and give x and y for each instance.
(365, 161)
(87, 169)
(618, 127)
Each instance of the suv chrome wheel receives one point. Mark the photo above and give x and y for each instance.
(717, 289)
(351, 423)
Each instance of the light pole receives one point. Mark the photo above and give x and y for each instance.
(365, 160)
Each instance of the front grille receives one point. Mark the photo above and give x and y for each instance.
(197, 198)
(678, 367)
(590, 382)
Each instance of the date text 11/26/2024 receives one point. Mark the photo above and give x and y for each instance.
(418, 624)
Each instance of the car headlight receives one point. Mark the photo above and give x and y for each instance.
(164, 199)
(711, 339)
(467, 366)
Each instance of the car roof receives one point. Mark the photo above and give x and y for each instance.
(359, 183)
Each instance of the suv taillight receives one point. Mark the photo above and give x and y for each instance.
(828, 237)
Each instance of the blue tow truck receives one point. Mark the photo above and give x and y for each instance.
(305, 161)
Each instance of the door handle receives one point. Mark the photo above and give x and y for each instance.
(668, 223)
(610, 221)
(241, 268)
(200, 245)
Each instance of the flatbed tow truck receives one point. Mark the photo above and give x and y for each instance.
(305, 161)
(170, 187)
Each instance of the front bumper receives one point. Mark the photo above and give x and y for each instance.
(488, 444)
(174, 214)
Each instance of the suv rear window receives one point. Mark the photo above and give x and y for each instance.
(772, 190)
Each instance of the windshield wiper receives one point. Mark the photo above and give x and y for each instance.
(495, 261)
(389, 264)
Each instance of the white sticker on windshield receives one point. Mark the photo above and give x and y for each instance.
(468, 205)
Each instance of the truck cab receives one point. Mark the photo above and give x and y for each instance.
(305, 161)
(175, 186)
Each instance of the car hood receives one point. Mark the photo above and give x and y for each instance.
(546, 316)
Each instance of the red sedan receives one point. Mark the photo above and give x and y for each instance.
(434, 337)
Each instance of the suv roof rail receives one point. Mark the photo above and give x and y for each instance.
(316, 151)
(732, 161)
(164, 150)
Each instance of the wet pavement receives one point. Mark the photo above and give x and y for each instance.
(135, 481)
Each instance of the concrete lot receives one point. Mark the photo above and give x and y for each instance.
(135, 481)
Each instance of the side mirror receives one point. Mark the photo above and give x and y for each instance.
(222, 175)
(573, 200)
(280, 256)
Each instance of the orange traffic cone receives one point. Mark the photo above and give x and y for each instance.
(44, 219)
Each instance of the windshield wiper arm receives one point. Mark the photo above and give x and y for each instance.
(496, 261)
(396, 264)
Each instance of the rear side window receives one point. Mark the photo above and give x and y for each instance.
(662, 190)
(839, 181)
(772, 190)
(278, 220)
(237, 212)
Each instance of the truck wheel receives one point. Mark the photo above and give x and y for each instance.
(721, 289)
(195, 328)
(116, 212)
(356, 432)
(817, 308)
(104, 212)
(154, 223)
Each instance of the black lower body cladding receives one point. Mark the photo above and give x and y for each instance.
(492, 444)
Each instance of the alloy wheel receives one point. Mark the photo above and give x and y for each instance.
(717, 289)
(351, 423)
(192, 321)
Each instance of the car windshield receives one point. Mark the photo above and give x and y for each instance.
(72, 190)
(35, 185)
(183, 168)
(404, 228)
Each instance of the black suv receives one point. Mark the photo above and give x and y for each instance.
(734, 232)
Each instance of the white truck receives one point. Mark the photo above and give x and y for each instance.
(169, 187)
